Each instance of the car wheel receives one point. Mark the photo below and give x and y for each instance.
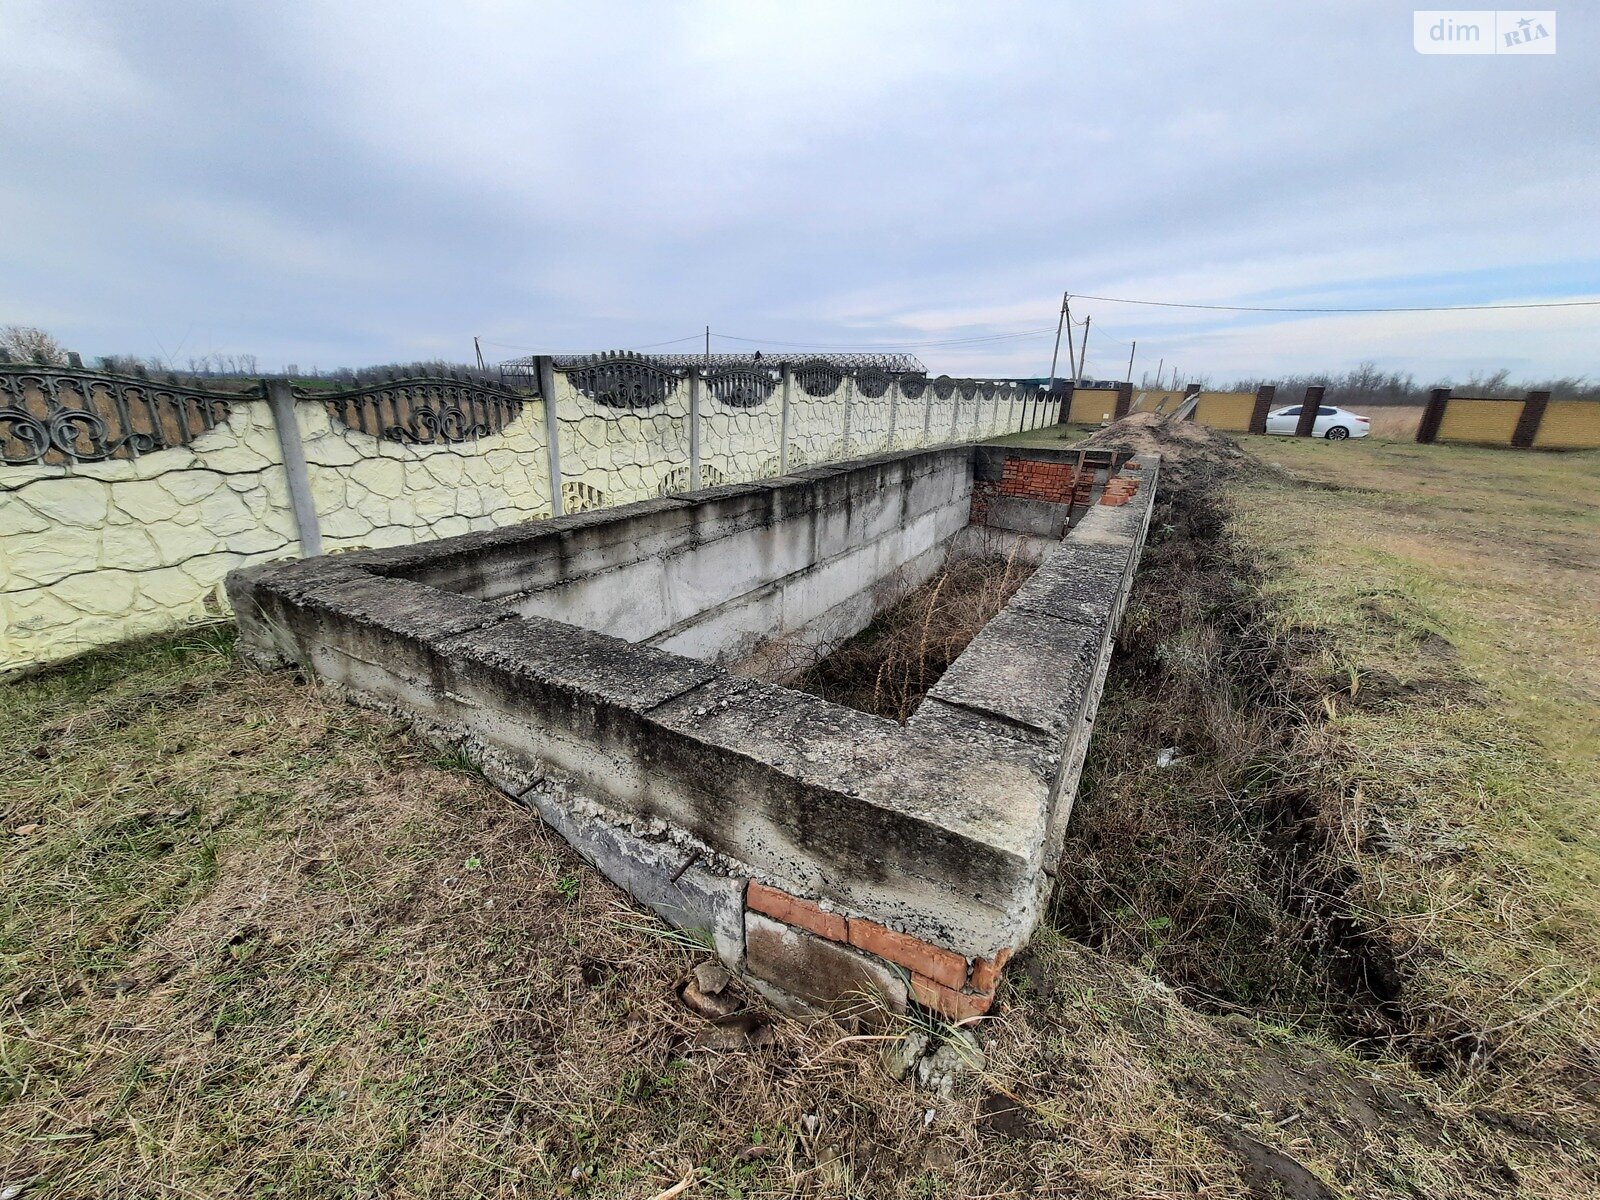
(1337, 434)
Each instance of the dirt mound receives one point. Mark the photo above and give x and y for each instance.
(1189, 451)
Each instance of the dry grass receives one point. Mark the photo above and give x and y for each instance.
(1455, 589)
(1396, 423)
(254, 942)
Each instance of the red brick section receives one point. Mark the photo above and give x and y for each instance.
(914, 954)
(792, 910)
(1034, 480)
(941, 979)
(948, 1002)
(1119, 491)
(986, 971)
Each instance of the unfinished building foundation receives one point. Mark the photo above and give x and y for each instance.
(606, 668)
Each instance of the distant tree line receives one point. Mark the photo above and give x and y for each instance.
(27, 344)
(1366, 384)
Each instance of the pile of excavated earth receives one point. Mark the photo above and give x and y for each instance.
(1188, 449)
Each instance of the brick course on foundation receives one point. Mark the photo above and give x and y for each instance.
(939, 979)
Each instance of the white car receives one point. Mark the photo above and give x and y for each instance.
(1335, 424)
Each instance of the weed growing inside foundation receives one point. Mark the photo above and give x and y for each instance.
(888, 667)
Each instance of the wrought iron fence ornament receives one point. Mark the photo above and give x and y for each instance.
(872, 382)
(818, 377)
(423, 411)
(621, 379)
(60, 415)
(740, 387)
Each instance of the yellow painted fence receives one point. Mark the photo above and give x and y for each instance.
(1533, 422)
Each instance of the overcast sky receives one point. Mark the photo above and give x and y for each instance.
(346, 183)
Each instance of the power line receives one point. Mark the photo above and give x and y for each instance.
(1102, 333)
(998, 337)
(1264, 308)
(693, 337)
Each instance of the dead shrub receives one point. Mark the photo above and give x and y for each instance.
(888, 667)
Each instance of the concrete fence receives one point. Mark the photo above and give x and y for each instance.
(1534, 422)
(125, 500)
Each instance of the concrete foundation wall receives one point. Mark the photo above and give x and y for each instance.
(804, 837)
(713, 578)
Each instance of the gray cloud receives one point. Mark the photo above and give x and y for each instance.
(363, 182)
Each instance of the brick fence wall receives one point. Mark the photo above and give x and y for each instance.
(1532, 422)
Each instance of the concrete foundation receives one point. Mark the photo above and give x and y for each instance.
(584, 661)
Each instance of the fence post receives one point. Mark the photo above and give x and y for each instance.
(1124, 401)
(552, 430)
(694, 428)
(1064, 393)
(280, 402)
(849, 385)
(894, 410)
(1258, 414)
(1528, 423)
(927, 410)
(1433, 415)
(955, 413)
(1308, 411)
(783, 422)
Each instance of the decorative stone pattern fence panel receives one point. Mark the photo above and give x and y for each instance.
(125, 500)
(434, 477)
(116, 544)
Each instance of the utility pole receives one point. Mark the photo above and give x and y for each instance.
(478, 350)
(1160, 367)
(1130, 360)
(1056, 353)
(708, 345)
(1072, 354)
(1083, 350)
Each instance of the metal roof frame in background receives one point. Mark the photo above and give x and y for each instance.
(897, 363)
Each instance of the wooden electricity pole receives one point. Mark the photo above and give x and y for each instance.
(1131, 350)
(1083, 350)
